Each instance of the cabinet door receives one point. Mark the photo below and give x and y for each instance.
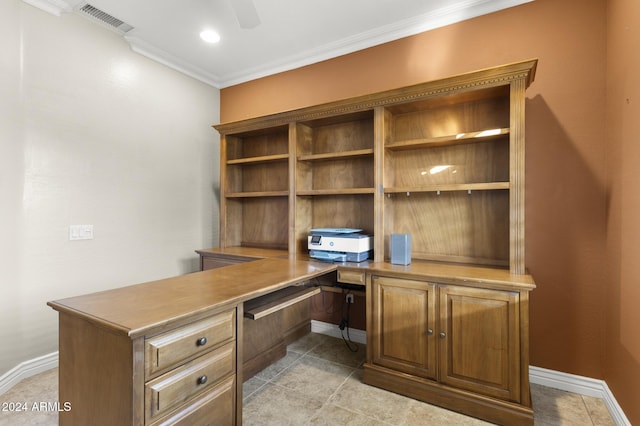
(480, 341)
(403, 325)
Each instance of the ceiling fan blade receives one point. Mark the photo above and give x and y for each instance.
(246, 13)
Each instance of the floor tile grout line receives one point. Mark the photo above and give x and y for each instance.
(245, 397)
(334, 362)
(584, 403)
(329, 401)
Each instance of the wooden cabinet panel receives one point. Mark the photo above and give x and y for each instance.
(264, 221)
(262, 342)
(481, 347)
(99, 374)
(169, 349)
(104, 372)
(432, 341)
(403, 323)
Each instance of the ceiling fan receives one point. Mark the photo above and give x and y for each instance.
(246, 13)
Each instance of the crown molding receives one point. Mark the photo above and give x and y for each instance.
(408, 27)
(54, 7)
(156, 54)
(448, 15)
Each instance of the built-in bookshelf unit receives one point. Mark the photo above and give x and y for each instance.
(334, 174)
(442, 161)
(447, 172)
(255, 185)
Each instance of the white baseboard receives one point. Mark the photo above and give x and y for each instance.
(27, 369)
(357, 336)
(540, 376)
(580, 385)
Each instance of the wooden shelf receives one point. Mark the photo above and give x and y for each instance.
(336, 155)
(460, 138)
(499, 263)
(344, 191)
(257, 194)
(260, 159)
(486, 186)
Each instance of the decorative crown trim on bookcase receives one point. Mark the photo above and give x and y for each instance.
(477, 79)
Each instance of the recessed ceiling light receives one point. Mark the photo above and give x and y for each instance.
(210, 36)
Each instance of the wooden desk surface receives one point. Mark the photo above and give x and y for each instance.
(467, 275)
(151, 307)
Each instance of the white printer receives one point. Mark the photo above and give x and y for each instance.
(340, 244)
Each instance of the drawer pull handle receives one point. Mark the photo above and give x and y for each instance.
(201, 341)
(429, 332)
(443, 335)
(202, 380)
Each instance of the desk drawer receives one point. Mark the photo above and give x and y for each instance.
(351, 277)
(214, 407)
(173, 388)
(169, 349)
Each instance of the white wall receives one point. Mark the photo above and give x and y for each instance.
(92, 133)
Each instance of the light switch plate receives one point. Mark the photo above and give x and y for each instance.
(80, 232)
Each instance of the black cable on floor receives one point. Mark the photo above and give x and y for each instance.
(352, 346)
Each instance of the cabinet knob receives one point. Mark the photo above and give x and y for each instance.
(443, 335)
(202, 380)
(429, 332)
(201, 341)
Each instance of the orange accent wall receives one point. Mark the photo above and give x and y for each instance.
(581, 299)
(622, 338)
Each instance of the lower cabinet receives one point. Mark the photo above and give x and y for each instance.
(455, 346)
(479, 341)
(404, 319)
(184, 375)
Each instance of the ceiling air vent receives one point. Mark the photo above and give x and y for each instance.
(107, 20)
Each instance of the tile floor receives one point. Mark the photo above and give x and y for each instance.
(319, 383)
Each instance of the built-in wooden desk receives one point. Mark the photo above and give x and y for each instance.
(171, 351)
(167, 351)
